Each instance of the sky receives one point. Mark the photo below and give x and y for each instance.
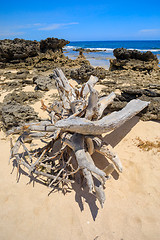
(80, 20)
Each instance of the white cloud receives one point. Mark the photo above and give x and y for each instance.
(37, 24)
(10, 34)
(56, 26)
(25, 26)
(150, 30)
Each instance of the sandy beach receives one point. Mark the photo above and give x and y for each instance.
(30, 210)
(131, 210)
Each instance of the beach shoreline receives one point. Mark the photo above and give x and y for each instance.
(100, 52)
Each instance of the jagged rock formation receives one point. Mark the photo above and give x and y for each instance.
(53, 44)
(43, 55)
(133, 60)
(19, 49)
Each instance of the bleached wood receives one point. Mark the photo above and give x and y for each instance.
(84, 91)
(88, 176)
(108, 151)
(104, 102)
(77, 106)
(92, 108)
(106, 124)
(100, 194)
(42, 128)
(75, 138)
(76, 143)
(66, 91)
(98, 183)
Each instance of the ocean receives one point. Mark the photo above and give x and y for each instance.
(107, 47)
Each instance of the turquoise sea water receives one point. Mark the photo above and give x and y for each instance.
(107, 47)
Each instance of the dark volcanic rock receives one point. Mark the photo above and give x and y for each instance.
(133, 60)
(53, 44)
(43, 83)
(22, 97)
(122, 53)
(15, 114)
(130, 85)
(26, 53)
(14, 110)
(17, 49)
(87, 50)
(85, 71)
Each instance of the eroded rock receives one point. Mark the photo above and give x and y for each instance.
(15, 111)
(133, 60)
(43, 83)
(85, 71)
(15, 114)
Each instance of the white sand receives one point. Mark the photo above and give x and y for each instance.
(131, 210)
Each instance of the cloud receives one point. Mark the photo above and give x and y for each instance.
(10, 34)
(25, 26)
(151, 31)
(15, 31)
(56, 26)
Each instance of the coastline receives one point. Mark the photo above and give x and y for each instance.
(100, 52)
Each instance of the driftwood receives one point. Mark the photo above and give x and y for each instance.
(76, 124)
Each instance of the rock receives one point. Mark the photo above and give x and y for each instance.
(133, 60)
(22, 97)
(14, 110)
(17, 49)
(85, 71)
(122, 53)
(22, 53)
(53, 44)
(22, 74)
(134, 84)
(20, 49)
(15, 114)
(43, 83)
(87, 50)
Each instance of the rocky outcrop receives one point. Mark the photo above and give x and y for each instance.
(15, 114)
(15, 111)
(85, 71)
(53, 44)
(131, 85)
(22, 53)
(133, 60)
(87, 50)
(19, 49)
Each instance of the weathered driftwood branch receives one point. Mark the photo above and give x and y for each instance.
(104, 102)
(75, 125)
(106, 124)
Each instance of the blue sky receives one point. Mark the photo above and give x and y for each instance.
(83, 20)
